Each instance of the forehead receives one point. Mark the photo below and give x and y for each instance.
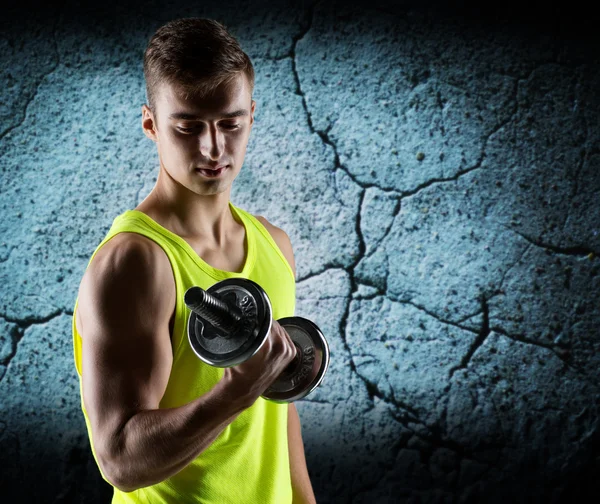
(235, 94)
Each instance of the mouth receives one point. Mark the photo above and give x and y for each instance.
(211, 172)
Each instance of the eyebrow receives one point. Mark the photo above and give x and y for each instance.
(191, 117)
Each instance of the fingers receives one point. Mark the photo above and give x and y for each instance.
(288, 349)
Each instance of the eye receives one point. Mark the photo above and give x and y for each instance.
(186, 130)
(230, 126)
(195, 129)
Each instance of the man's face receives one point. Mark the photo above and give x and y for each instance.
(202, 142)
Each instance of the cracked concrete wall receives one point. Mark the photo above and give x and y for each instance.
(442, 180)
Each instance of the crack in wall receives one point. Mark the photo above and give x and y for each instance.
(325, 138)
(323, 134)
(404, 413)
(499, 289)
(315, 401)
(482, 155)
(322, 298)
(407, 416)
(403, 194)
(437, 439)
(395, 212)
(27, 322)
(292, 55)
(483, 333)
(433, 314)
(367, 297)
(324, 269)
(467, 317)
(575, 251)
(562, 354)
(22, 326)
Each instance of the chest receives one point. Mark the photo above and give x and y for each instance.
(229, 257)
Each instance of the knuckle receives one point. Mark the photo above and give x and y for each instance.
(291, 350)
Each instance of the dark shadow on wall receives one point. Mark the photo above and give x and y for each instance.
(414, 475)
(405, 480)
(562, 19)
(87, 483)
(69, 478)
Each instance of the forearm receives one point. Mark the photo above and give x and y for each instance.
(156, 444)
(301, 486)
(302, 493)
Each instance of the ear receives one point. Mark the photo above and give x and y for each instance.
(252, 109)
(148, 123)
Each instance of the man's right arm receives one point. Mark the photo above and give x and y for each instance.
(125, 303)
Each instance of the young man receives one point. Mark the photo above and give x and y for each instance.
(165, 427)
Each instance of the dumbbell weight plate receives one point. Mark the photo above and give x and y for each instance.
(306, 372)
(221, 349)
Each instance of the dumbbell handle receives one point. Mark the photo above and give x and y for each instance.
(209, 307)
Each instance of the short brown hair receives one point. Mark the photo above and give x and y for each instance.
(196, 53)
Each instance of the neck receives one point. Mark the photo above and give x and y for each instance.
(189, 215)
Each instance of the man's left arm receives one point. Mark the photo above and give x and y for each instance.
(301, 486)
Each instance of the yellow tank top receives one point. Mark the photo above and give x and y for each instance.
(248, 462)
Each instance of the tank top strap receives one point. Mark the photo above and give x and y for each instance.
(263, 238)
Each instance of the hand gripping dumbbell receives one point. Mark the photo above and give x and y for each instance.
(230, 321)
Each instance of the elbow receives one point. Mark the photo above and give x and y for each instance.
(126, 488)
(123, 485)
(116, 465)
(117, 472)
(118, 476)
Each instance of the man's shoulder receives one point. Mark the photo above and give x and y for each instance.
(281, 239)
(128, 270)
(279, 235)
(127, 255)
(130, 246)
(271, 228)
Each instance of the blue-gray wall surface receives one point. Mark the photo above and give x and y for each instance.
(438, 172)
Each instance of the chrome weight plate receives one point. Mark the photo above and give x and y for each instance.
(221, 348)
(305, 373)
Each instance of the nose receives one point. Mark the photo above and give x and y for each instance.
(212, 143)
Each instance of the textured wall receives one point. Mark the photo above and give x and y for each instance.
(442, 193)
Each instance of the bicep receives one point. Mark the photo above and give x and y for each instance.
(126, 300)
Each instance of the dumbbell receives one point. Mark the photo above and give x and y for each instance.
(229, 322)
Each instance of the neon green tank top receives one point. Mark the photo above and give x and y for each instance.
(249, 461)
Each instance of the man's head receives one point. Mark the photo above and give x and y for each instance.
(196, 54)
(200, 110)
